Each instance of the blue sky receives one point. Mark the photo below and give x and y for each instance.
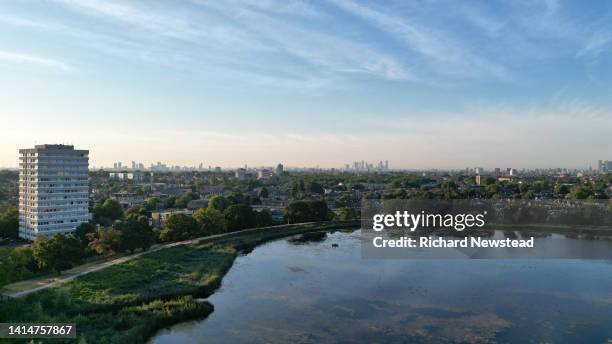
(444, 84)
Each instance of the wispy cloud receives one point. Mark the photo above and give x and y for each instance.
(164, 23)
(598, 42)
(32, 60)
(448, 56)
(22, 22)
(246, 27)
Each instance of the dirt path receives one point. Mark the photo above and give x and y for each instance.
(23, 288)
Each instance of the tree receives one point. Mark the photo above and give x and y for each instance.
(152, 203)
(182, 200)
(580, 192)
(218, 202)
(298, 188)
(306, 211)
(395, 184)
(297, 211)
(488, 180)
(342, 201)
(262, 193)
(170, 201)
(106, 240)
(135, 233)
(180, 227)
(396, 194)
(9, 222)
(263, 218)
(561, 189)
(319, 210)
(137, 210)
(16, 264)
(314, 187)
(530, 194)
(239, 216)
(6, 269)
(57, 253)
(22, 259)
(347, 213)
(211, 220)
(107, 212)
(237, 198)
(83, 230)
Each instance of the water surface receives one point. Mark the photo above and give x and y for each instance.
(312, 292)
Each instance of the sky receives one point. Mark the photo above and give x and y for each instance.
(423, 84)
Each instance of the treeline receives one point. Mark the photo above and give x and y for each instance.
(9, 186)
(463, 187)
(9, 222)
(307, 211)
(113, 231)
(16, 264)
(127, 232)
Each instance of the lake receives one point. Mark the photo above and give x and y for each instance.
(322, 291)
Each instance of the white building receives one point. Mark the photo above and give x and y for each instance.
(264, 173)
(53, 190)
(135, 176)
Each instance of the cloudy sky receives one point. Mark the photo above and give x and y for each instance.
(435, 83)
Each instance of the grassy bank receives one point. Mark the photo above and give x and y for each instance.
(127, 303)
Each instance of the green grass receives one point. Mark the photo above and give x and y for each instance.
(127, 303)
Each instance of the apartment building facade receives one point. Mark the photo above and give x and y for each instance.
(53, 190)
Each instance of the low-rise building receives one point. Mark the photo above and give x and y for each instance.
(135, 176)
(158, 218)
(128, 199)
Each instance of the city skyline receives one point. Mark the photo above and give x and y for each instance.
(436, 84)
(354, 166)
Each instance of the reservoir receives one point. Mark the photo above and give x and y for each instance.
(323, 291)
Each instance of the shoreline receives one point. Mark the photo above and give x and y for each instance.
(132, 301)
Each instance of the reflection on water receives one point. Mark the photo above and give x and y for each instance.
(307, 291)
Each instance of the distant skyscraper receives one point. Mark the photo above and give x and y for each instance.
(279, 169)
(53, 190)
(240, 174)
(604, 166)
